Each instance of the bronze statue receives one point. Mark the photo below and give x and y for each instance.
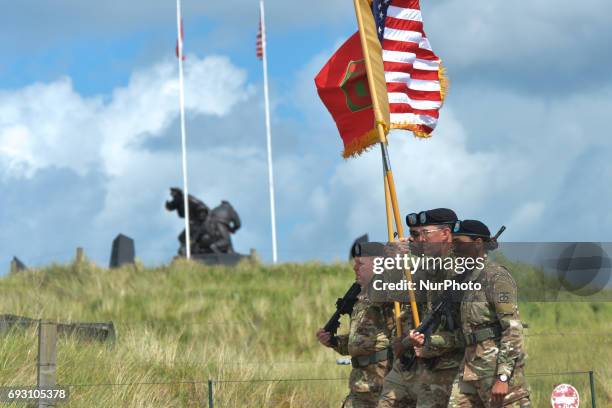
(210, 230)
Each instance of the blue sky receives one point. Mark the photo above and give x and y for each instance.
(89, 136)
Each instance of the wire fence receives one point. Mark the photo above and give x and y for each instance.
(217, 387)
(214, 387)
(172, 324)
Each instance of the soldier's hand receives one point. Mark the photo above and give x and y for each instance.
(324, 337)
(498, 392)
(417, 339)
(418, 351)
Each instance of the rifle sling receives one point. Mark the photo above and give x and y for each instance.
(482, 334)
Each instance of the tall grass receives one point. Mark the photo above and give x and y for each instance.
(182, 324)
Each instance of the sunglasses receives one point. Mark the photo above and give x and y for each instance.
(416, 234)
(414, 219)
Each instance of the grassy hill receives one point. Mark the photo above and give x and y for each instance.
(185, 323)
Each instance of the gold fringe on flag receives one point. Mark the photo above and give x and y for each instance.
(417, 130)
(362, 144)
(444, 82)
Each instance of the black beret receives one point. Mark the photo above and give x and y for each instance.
(368, 249)
(473, 228)
(437, 216)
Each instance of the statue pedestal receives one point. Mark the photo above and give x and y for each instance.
(220, 259)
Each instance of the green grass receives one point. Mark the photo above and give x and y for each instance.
(186, 322)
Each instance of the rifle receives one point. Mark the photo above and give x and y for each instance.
(344, 305)
(492, 244)
(501, 231)
(444, 306)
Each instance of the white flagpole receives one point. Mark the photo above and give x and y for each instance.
(268, 132)
(183, 136)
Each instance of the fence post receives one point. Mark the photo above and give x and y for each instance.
(211, 400)
(47, 336)
(592, 382)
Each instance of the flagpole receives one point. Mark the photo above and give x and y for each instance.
(268, 131)
(388, 209)
(369, 39)
(183, 135)
(391, 201)
(390, 182)
(391, 237)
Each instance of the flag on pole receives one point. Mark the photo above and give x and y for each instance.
(262, 55)
(177, 42)
(342, 85)
(416, 82)
(179, 53)
(259, 51)
(357, 103)
(412, 75)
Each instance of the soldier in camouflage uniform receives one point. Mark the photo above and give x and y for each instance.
(492, 370)
(400, 384)
(368, 339)
(427, 382)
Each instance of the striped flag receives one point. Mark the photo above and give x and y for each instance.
(416, 83)
(259, 50)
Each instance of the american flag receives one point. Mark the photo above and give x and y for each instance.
(259, 43)
(177, 42)
(415, 80)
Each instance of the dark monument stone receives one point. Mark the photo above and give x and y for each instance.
(220, 259)
(123, 251)
(17, 265)
(210, 230)
(361, 240)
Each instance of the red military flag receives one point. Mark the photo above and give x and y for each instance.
(342, 85)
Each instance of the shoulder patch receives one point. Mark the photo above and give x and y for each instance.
(504, 294)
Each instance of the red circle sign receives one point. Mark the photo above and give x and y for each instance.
(565, 396)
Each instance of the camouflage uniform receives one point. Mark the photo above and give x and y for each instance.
(493, 334)
(427, 383)
(368, 345)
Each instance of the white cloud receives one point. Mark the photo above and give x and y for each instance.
(47, 125)
(44, 125)
(439, 172)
